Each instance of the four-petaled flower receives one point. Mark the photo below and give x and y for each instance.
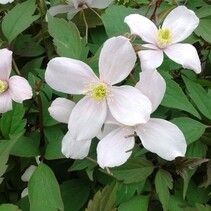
(127, 104)
(177, 26)
(11, 88)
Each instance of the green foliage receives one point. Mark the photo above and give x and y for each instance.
(9, 207)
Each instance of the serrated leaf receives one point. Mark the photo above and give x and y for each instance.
(163, 182)
(137, 203)
(175, 98)
(9, 207)
(199, 96)
(191, 128)
(12, 122)
(73, 201)
(66, 38)
(18, 19)
(104, 200)
(44, 192)
(134, 170)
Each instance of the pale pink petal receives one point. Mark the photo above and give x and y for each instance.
(59, 9)
(115, 148)
(19, 89)
(184, 54)
(61, 109)
(101, 4)
(28, 173)
(106, 129)
(87, 118)
(163, 138)
(143, 27)
(75, 149)
(80, 3)
(181, 22)
(69, 75)
(152, 85)
(150, 59)
(5, 102)
(117, 59)
(129, 106)
(5, 64)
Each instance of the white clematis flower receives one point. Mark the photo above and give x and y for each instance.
(5, 1)
(157, 135)
(11, 88)
(127, 104)
(74, 6)
(177, 26)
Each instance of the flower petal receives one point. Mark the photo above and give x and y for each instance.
(181, 22)
(28, 173)
(163, 138)
(5, 102)
(112, 149)
(117, 59)
(101, 4)
(61, 109)
(106, 129)
(150, 59)
(75, 149)
(152, 85)
(59, 9)
(19, 89)
(5, 63)
(5, 2)
(129, 106)
(72, 13)
(143, 27)
(87, 118)
(69, 75)
(186, 55)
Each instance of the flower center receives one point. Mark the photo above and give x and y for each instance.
(3, 86)
(164, 37)
(99, 92)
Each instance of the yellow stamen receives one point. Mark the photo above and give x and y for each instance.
(3, 86)
(164, 37)
(99, 92)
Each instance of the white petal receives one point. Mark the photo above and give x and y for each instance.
(69, 75)
(19, 89)
(184, 54)
(142, 27)
(80, 3)
(25, 192)
(150, 59)
(75, 149)
(129, 106)
(163, 138)
(72, 13)
(106, 129)
(117, 59)
(55, 10)
(5, 63)
(152, 85)
(61, 109)
(181, 22)
(5, 102)
(87, 118)
(28, 173)
(112, 150)
(101, 4)
(5, 2)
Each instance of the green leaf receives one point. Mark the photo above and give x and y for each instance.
(203, 11)
(73, 201)
(9, 207)
(191, 128)
(12, 122)
(137, 203)
(5, 147)
(199, 96)
(104, 200)
(163, 182)
(134, 170)
(18, 19)
(53, 150)
(175, 98)
(25, 147)
(204, 29)
(44, 192)
(66, 38)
